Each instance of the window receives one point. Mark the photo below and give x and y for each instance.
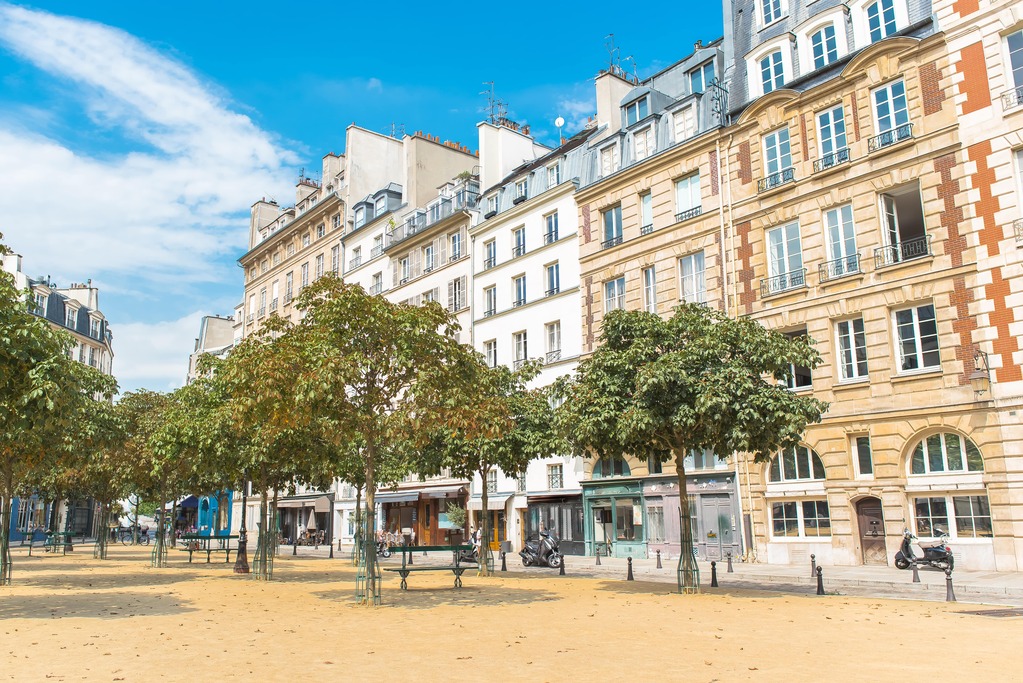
(637, 111)
(490, 301)
(321, 230)
(881, 19)
(687, 197)
(864, 457)
(520, 346)
(646, 213)
(335, 259)
(430, 295)
(784, 259)
(777, 152)
(335, 221)
(852, 350)
(519, 287)
(289, 287)
(917, 333)
(306, 241)
(428, 260)
(456, 246)
(553, 175)
(291, 250)
(492, 204)
(701, 76)
(650, 290)
(276, 259)
(379, 207)
(972, 516)
(704, 460)
(1014, 44)
(902, 222)
(798, 463)
(644, 143)
(490, 351)
(489, 254)
(772, 72)
(831, 127)
(555, 480)
(611, 466)
(807, 518)
(491, 481)
(771, 10)
(683, 123)
(264, 266)
(456, 294)
(377, 285)
(319, 266)
(551, 223)
(274, 293)
(841, 241)
(262, 302)
(520, 482)
(941, 453)
(39, 305)
(614, 294)
(608, 160)
(692, 283)
(655, 524)
(654, 465)
(71, 317)
(799, 377)
(825, 49)
(552, 332)
(553, 272)
(518, 241)
(95, 329)
(522, 188)
(890, 109)
(612, 220)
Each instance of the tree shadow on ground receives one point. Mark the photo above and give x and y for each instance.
(105, 605)
(742, 589)
(435, 596)
(136, 578)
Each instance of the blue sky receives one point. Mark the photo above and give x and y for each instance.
(134, 136)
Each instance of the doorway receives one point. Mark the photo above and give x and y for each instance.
(716, 513)
(870, 518)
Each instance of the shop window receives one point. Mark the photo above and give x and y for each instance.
(946, 453)
(655, 524)
(971, 514)
(612, 466)
(800, 519)
(798, 463)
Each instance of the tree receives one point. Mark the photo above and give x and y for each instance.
(496, 423)
(662, 388)
(374, 382)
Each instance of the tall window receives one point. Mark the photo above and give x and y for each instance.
(614, 294)
(918, 338)
(335, 259)
(289, 287)
(492, 481)
(321, 230)
(553, 272)
(456, 246)
(518, 241)
(864, 457)
(553, 175)
(797, 463)
(684, 123)
(841, 235)
(490, 301)
(852, 349)
(800, 376)
(520, 344)
(71, 319)
(319, 266)
(1014, 42)
(881, 19)
(636, 111)
(772, 72)
(555, 479)
(428, 262)
(644, 143)
(522, 188)
(489, 254)
(784, 258)
(831, 125)
(612, 219)
(552, 331)
(940, 453)
(902, 222)
(551, 225)
(377, 285)
(687, 197)
(306, 241)
(490, 351)
(608, 160)
(456, 294)
(305, 274)
(825, 49)
(692, 282)
(646, 212)
(406, 269)
(39, 305)
(890, 108)
(777, 152)
(94, 329)
(519, 286)
(771, 10)
(650, 290)
(701, 76)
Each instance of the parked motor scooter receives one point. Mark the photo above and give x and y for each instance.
(542, 551)
(383, 550)
(936, 554)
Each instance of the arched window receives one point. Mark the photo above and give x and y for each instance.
(796, 464)
(940, 453)
(614, 466)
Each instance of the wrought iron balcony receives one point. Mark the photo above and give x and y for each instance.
(376, 251)
(518, 250)
(686, 215)
(831, 160)
(890, 137)
(786, 175)
(1013, 98)
(783, 282)
(518, 302)
(904, 251)
(250, 318)
(519, 362)
(613, 242)
(376, 289)
(838, 268)
(288, 297)
(354, 263)
(273, 305)
(261, 312)
(489, 263)
(552, 292)
(1017, 228)
(455, 256)
(549, 237)
(489, 312)
(646, 229)
(553, 356)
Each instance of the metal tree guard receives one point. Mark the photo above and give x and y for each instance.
(367, 591)
(688, 570)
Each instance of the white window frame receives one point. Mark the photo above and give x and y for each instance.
(489, 300)
(840, 238)
(522, 188)
(614, 294)
(789, 260)
(782, 149)
(644, 143)
(918, 354)
(831, 131)
(552, 273)
(520, 346)
(801, 519)
(609, 159)
(490, 352)
(519, 290)
(1010, 74)
(849, 343)
(616, 224)
(854, 450)
(646, 210)
(688, 194)
(379, 206)
(492, 204)
(554, 175)
(306, 240)
(552, 335)
(951, 515)
(702, 71)
(683, 123)
(550, 222)
(555, 477)
(755, 80)
(519, 241)
(861, 25)
(892, 100)
(455, 242)
(692, 278)
(637, 106)
(778, 10)
(70, 317)
(489, 254)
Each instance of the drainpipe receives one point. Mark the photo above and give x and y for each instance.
(731, 227)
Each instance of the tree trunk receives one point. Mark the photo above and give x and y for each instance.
(261, 556)
(99, 551)
(357, 541)
(371, 594)
(174, 524)
(484, 558)
(5, 539)
(688, 571)
(160, 547)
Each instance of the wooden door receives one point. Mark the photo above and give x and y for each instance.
(716, 514)
(870, 516)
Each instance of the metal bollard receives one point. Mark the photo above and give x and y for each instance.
(561, 571)
(713, 574)
(916, 574)
(950, 595)
(630, 577)
(659, 560)
(598, 559)
(504, 561)
(820, 582)
(730, 570)
(813, 566)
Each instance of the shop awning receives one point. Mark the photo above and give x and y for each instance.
(494, 502)
(561, 495)
(397, 497)
(318, 503)
(440, 492)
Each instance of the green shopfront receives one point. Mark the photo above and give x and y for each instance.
(614, 515)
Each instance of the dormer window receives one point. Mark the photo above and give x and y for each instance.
(521, 188)
(636, 111)
(608, 160)
(683, 123)
(554, 175)
(644, 142)
(71, 317)
(380, 207)
(772, 71)
(492, 205)
(881, 19)
(96, 328)
(700, 77)
(39, 304)
(360, 216)
(824, 45)
(770, 10)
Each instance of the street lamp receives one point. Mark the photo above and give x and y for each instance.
(980, 378)
(241, 558)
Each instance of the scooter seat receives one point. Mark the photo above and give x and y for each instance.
(931, 544)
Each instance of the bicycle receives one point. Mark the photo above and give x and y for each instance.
(127, 537)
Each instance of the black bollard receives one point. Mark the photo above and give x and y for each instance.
(504, 561)
(561, 572)
(713, 574)
(630, 577)
(598, 559)
(659, 560)
(950, 595)
(916, 574)
(730, 570)
(820, 582)
(813, 566)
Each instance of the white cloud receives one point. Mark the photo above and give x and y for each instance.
(576, 113)
(155, 355)
(375, 85)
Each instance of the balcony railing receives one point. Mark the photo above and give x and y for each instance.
(250, 318)
(890, 137)
(273, 305)
(831, 160)
(519, 362)
(518, 302)
(354, 263)
(376, 251)
(490, 263)
(553, 356)
(786, 175)
(686, 215)
(904, 251)
(1017, 228)
(376, 289)
(288, 296)
(552, 291)
(1012, 98)
(413, 224)
(549, 237)
(783, 282)
(489, 312)
(261, 312)
(518, 250)
(613, 242)
(455, 256)
(646, 229)
(840, 267)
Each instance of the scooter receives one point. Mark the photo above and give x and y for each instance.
(937, 553)
(542, 551)
(383, 550)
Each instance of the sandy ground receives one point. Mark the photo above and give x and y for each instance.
(75, 618)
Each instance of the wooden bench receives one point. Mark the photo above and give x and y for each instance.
(406, 551)
(55, 539)
(197, 543)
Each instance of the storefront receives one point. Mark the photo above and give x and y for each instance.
(497, 512)
(213, 514)
(422, 514)
(614, 516)
(714, 515)
(30, 519)
(310, 514)
(561, 514)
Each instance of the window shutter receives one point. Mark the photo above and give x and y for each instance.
(417, 263)
(440, 247)
(451, 295)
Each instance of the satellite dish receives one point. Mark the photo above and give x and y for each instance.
(559, 122)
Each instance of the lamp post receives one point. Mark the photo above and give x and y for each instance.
(241, 558)
(330, 526)
(980, 378)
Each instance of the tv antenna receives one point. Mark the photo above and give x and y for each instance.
(560, 122)
(496, 109)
